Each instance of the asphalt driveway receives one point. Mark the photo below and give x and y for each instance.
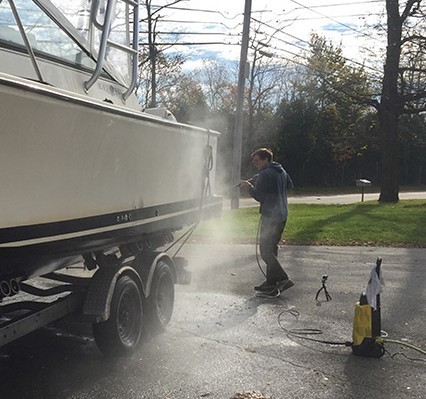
(223, 340)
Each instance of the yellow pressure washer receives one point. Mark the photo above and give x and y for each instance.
(367, 331)
(367, 339)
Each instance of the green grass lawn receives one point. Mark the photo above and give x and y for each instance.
(367, 223)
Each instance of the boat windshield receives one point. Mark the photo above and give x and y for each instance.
(45, 37)
(71, 30)
(90, 27)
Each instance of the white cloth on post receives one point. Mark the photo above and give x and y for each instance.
(374, 287)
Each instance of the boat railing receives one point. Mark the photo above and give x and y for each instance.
(105, 41)
(25, 40)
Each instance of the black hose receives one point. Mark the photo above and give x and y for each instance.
(257, 246)
(302, 333)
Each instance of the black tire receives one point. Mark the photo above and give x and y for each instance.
(120, 334)
(161, 299)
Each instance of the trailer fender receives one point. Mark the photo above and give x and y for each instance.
(146, 263)
(96, 307)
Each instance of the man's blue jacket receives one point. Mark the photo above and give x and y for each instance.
(270, 189)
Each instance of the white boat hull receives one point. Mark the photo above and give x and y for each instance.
(78, 174)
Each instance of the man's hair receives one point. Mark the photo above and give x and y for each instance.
(263, 153)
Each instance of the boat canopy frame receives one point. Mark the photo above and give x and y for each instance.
(103, 29)
(26, 40)
(132, 50)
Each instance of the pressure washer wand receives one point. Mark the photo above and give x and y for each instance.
(252, 180)
(226, 190)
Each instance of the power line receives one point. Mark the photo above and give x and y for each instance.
(294, 61)
(201, 22)
(301, 6)
(335, 16)
(282, 20)
(209, 11)
(194, 33)
(306, 42)
(317, 70)
(299, 56)
(237, 35)
(190, 44)
(334, 20)
(260, 11)
(200, 10)
(340, 4)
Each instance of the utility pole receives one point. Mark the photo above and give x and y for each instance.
(238, 126)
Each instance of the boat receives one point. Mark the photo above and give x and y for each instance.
(83, 168)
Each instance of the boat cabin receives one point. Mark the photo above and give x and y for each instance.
(86, 46)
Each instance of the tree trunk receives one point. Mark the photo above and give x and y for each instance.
(390, 108)
(389, 188)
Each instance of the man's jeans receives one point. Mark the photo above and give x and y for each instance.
(269, 237)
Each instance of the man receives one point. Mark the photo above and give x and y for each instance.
(270, 189)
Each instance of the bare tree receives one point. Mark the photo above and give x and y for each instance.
(404, 84)
(219, 82)
(155, 49)
(265, 77)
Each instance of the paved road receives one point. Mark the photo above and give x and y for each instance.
(222, 340)
(350, 198)
(333, 199)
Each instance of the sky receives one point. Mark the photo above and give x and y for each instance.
(214, 28)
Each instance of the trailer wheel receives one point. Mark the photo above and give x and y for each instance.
(161, 299)
(120, 334)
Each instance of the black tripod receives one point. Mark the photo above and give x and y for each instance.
(324, 287)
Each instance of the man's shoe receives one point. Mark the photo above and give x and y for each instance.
(285, 284)
(274, 293)
(265, 286)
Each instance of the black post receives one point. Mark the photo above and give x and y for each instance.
(376, 316)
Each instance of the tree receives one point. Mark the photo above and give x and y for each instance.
(263, 93)
(155, 50)
(404, 85)
(322, 121)
(341, 92)
(413, 148)
(186, 100)
(297, 138)
(167, 74)
(219, 84)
